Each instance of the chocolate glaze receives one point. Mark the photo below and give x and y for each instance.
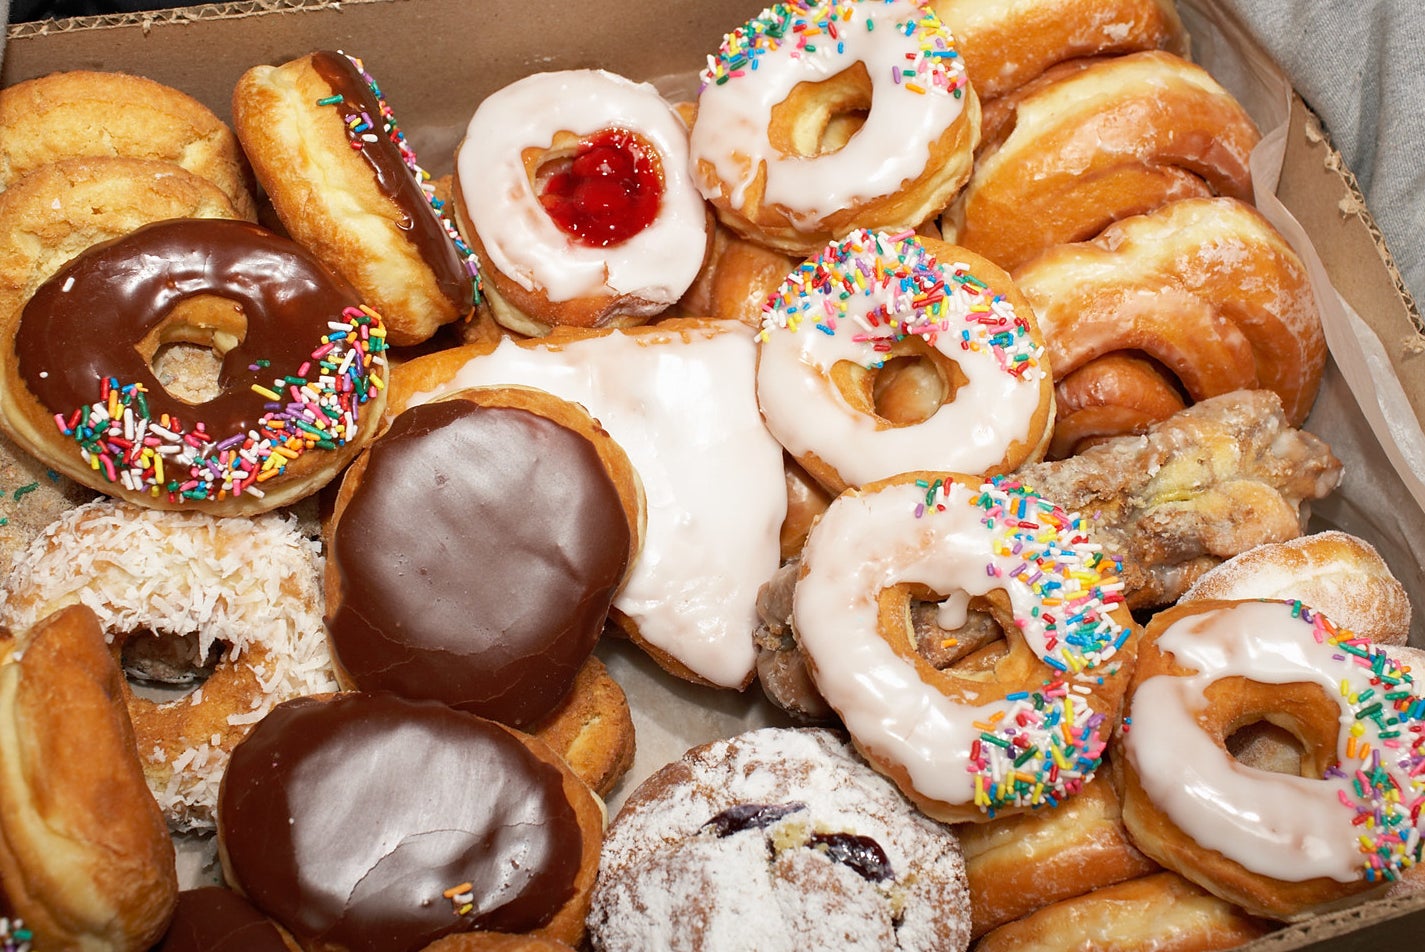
(82, 324)
(395, 178)
(478, 557)
(347, 818)
(213, 919)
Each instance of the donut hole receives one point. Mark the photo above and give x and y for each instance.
(1279, 728)
(1263, 745)
(161, 665)
(820, 117)
(914, 381)
(185, 350)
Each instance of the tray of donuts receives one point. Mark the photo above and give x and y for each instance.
(992, 551)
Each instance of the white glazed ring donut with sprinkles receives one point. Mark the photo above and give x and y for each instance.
(1279, 845)
(966, 747)
(872, 297)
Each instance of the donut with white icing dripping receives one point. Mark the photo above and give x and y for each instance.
(573, 188)
(778, 146)
(842, 319)
(1279, 845)
(966, 745)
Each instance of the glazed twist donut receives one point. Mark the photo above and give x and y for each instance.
(966, 747)
(771, 146)
(573, 189)
(1205, 286)
(1283, 847)
(1119, 394)
(1117, 137)
(871, 298)
(300, 390)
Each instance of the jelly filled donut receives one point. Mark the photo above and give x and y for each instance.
(777, 145)
(1280, 846)
(300, 389)
(452, 823)
(573, 189)
(1024, 734)
(871, 299)
(412, 609)
(346, 183)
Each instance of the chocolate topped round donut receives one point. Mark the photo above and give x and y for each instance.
(475, 551)
(369, 822)
(214, 919)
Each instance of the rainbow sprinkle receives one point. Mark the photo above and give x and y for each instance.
(910, 292)
(316, 408)
(462, 898)
(821, 28)
(14, 937)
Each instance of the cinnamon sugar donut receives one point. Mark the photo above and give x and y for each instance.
(776, 839)
(777, 145)
(249, 587)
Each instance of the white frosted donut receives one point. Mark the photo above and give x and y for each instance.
(872, 297)
(776, 84)
(1278, 845)
(966, 746)
(496, 166)
(250, 584)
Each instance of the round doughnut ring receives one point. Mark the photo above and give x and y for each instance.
(301, 385)
(250, 585)
(965, 745)
(1279, 846)
(871, 298)
(771, 144)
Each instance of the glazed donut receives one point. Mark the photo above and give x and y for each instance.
(1019, 864)
(1340, 575)
(736, 280)
(345, 182)
(871, 298)
(1162, 912)
(573, 189)
(1282, 847)
(415, 856)
(778, 839)
(404, 611)
(88, 113)
(774, 146)
(85, 859)
(1118, 137)
(678, 397)
(299, 393)
(216, 919)
(1205, 286)
(251, 585)
(966, 747)
(1122, 393)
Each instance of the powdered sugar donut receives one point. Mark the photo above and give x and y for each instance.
(251, 585)
(573, 189)
(872, 298)
(777, 839)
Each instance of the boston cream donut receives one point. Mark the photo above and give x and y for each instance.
(573, 189)
(448, 823)
(346, 183)
(872, 298)
(965, 745)
(775, 146)
(551, 509)
(300, 389)
(1280, 846)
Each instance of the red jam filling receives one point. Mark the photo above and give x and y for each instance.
(609, 190)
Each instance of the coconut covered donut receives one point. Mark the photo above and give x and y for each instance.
(1028, 732)
(299, 391)
(873, 299)
(573, 188)
(777, 144)
(776, 839)
(248, 587)
(1280, 846)
(346, 183)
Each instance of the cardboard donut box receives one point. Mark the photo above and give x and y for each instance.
(436, 59)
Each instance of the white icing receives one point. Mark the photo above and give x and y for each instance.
(1287, 827)
(681, 405)
(523, 242)
(729, 143)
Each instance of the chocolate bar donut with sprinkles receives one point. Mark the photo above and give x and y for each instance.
(966, 745)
